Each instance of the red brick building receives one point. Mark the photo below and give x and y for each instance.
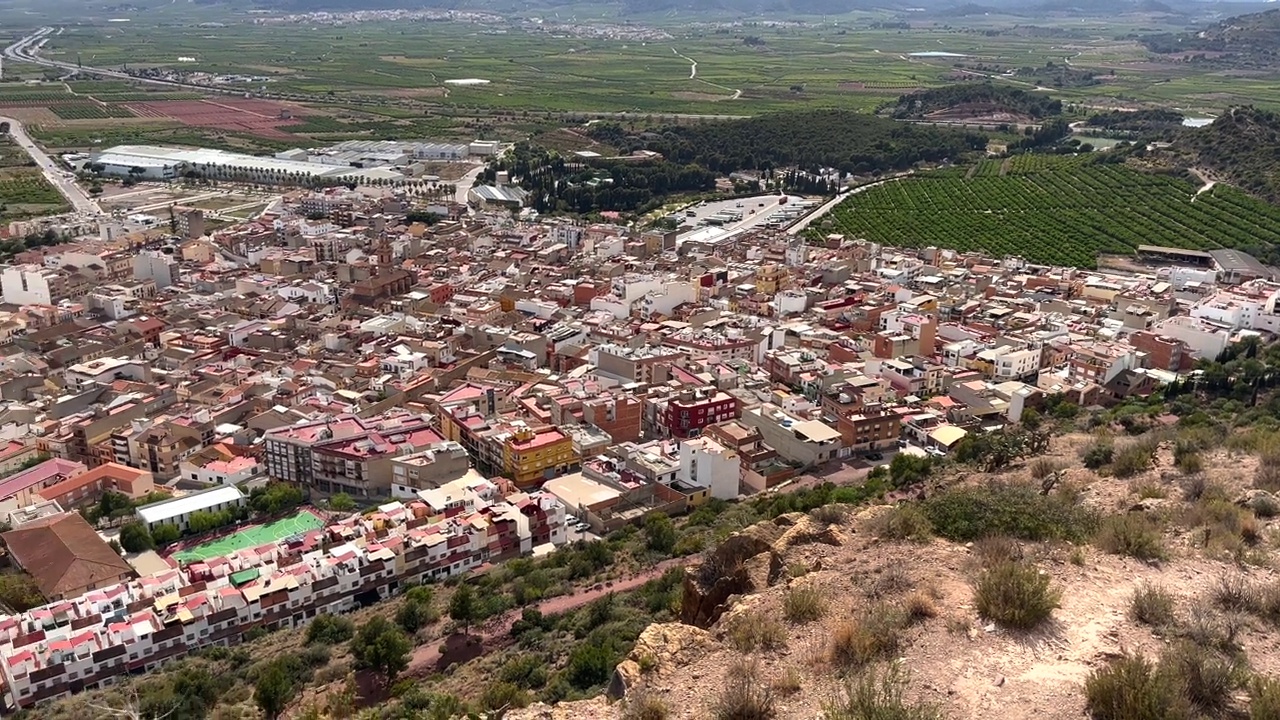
(694, 409)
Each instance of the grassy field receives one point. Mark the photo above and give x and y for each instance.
(1053, 210)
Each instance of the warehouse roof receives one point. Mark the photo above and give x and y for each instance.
(159, 156)
(177, 507)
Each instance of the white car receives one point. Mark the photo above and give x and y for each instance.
(582, 527)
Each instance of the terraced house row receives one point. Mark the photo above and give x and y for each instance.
(94, 639)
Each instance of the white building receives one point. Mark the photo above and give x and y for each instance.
(105, 370)
(27, 285)
(1009, 363)
(159, 267)
(178, 511)
(233, 472)
(708, 464)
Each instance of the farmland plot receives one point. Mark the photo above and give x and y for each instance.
(1059, 211)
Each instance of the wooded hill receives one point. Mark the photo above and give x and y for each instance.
(847, 141)
(1241, 147)
(990, 97)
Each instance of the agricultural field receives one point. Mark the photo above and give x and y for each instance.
(90, 111)
(24, 193)
(849, 63)
(1053, 210)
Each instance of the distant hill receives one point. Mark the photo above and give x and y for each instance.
(1254, 38)
(983, 100)
(1241, 147)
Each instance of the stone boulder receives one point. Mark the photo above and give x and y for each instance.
(725, 572)
(597, 708)
(661, 648)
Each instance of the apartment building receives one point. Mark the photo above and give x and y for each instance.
(691, 410)
(347, 453)
(87, 488)
(874, 430)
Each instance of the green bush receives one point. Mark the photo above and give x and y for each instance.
(330, 629)
(1133, 688)
(1098, 454)
(877, 695)
(906, 469)
(501, 696)
(803, 603)
(1133, 458)
(524, 671)
(1152, 605)
(904, 522)
(1018, 510)
(1133, 534)
(1015, 595)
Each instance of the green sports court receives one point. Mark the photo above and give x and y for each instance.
(248, 537)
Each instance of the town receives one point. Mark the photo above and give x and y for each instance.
(399, 390)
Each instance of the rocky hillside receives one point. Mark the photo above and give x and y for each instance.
(1026, 594)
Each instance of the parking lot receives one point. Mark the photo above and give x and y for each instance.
(755, 211)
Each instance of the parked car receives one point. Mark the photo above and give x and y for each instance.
(875, 456)
(582, 527)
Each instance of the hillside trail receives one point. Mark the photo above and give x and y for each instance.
(495, 632)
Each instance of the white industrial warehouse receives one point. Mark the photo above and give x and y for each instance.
(156, 162)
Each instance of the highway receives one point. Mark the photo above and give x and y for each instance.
(79, 199)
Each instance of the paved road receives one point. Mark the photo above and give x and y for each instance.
(496, 632)
(79, 199)
(464, 184)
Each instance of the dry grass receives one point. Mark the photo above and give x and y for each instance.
(904, 522)
(753, 631)
(1015, 595)
(743, 696)
(1133, 534)
(641, 705)
(803, 604)
(919, 606)
(874, 635)
(996, 549)
(1152, 605)
(789, 683)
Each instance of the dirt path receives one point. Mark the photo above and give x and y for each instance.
(496, 632)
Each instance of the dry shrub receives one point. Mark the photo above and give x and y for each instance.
(744, 696)
(877, 695)
(891, 580)
(1134, 458)
(904, 522)
(804, 604)
(788, 683)
(1043, 467)
(1233, 592)
(875, 634)
(1147, 490)
(1208, 678)
(1222, 527)
(1264, 698)
(919, 606)
(1015, 595)
(1133, 534)
(753, 631)
(1152, 605)
(1209, 627)
(642, 705)
(1133, 688)
(1267, 476)
(995, 549)
(830, 514)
